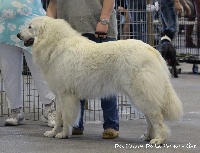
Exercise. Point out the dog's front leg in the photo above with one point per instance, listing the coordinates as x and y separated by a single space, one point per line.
70 107
58 125
173 61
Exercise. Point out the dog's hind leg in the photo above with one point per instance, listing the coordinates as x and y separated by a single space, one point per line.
174 63
58 122
157 131
175 71
70 108
147 136
159 128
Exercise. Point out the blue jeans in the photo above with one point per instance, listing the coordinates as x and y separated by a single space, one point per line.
168 15
108 105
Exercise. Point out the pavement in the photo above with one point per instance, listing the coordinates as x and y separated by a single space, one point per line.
184 136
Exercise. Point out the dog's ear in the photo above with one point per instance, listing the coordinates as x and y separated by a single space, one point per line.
42 29
40 22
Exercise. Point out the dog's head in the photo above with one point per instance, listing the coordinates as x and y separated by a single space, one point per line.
29 34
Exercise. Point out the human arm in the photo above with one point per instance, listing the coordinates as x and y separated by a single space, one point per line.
185 7
52 9
126 24
108 6
179 5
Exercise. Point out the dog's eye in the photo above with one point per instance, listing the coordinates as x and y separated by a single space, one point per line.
29 27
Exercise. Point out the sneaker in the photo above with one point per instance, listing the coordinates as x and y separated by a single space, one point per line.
16 117
49 116
77 131
110 134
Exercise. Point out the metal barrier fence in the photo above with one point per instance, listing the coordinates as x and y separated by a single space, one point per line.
188 51
134 21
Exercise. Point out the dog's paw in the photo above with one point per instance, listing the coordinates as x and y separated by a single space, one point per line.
49 134
145 137
157 141
62 135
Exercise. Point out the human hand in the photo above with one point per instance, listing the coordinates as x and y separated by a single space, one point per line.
178 7
187 9
120 9
100 28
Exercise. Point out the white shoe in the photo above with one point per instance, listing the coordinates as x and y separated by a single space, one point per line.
16 118
49 116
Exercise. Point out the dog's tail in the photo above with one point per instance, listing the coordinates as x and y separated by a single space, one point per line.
173 109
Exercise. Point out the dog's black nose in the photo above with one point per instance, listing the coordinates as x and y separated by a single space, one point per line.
18 35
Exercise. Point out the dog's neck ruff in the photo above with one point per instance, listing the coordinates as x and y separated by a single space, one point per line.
165 37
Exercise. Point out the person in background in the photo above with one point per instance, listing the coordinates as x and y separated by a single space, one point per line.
90 17
169 11
45 3
195 9
138 19
14 16
122 20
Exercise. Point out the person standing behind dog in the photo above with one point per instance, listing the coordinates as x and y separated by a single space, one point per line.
195 9
169 11
88 17
14 15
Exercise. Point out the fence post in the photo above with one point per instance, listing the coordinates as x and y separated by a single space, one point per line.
150 25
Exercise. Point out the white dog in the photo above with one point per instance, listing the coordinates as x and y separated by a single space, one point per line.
75 68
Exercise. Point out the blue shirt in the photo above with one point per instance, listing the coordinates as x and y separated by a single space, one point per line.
16 15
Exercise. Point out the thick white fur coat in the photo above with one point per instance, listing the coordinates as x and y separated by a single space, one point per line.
76 68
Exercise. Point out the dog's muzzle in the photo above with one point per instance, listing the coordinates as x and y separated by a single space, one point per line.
28 42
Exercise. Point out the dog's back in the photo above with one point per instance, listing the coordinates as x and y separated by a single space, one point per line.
99 68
